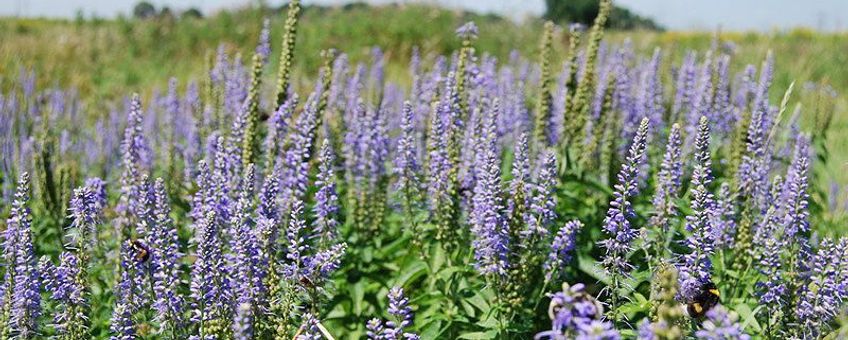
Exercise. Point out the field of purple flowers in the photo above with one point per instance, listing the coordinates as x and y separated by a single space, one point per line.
489 199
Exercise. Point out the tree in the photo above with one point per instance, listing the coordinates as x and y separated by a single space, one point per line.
192 13
144 10
166 13
585 11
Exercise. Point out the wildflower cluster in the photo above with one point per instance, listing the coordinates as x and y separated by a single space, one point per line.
223 213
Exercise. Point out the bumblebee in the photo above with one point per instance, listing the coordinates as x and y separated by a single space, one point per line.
306 282
142 253
706 298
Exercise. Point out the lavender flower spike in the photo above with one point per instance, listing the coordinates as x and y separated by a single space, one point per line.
823 291
467 31
487 224
406 166
263 49
310 329
668 185
576 315
297 248
165 261
721 324
122 324
399 309
375 329
26 298
133 149
797 222
206 271
543 200
697 266
67 287
401 318
326 198
243 323
561 248
617 221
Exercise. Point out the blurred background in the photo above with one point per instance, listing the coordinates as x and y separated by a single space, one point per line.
105 49
756 15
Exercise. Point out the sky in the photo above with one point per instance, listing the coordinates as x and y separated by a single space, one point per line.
729 15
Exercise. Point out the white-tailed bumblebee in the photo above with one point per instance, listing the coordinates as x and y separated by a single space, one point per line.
142 253
706 298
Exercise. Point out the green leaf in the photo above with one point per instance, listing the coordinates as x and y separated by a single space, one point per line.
357 295
748 317
638 304
479 335
367 254
489 322
628 333
468 308
394 247
479 301
411 272
448 272
591 267
437 255
431 330
636 278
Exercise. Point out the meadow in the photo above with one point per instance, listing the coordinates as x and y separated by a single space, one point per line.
106 59
404 172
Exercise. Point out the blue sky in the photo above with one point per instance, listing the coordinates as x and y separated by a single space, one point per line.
732 15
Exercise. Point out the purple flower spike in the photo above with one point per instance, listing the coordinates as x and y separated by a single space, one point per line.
310 328
668 182
206 273
98 188
721 324
326 198
133 149
263 48
23 272
402 317
577 315
375 329
561 248
165 261
467 31
406 165
543 200
487 224
617 221
697 267
243 322
823 291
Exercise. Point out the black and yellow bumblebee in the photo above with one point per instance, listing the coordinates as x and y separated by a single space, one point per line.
142 253
706 298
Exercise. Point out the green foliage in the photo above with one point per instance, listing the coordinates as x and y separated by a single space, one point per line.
287 52
144 10
545 98
585 11
577 115
251 134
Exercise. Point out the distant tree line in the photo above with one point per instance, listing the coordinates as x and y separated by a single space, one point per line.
560 11
146 10
585 11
